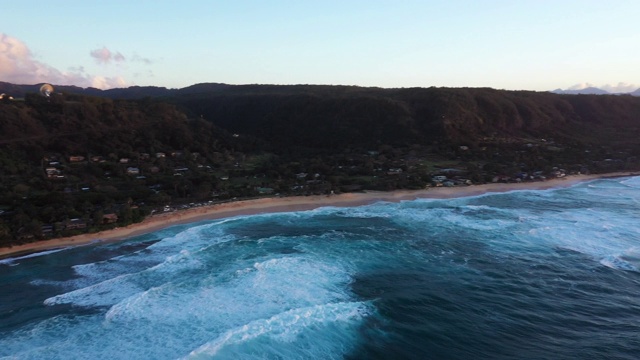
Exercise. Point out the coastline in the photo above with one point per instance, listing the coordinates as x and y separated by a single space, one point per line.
287 204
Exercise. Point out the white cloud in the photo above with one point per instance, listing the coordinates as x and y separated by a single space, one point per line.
102 82
105 56
581 86
621 87
141 59
18 66
118 57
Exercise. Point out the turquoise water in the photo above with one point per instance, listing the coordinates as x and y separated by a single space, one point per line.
529 274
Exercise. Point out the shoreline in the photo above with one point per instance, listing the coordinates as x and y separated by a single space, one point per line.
288 204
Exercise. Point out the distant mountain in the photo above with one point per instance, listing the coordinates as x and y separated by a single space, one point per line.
330 117
139 92
132 92
586 91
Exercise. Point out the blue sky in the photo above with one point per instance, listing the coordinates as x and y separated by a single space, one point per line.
525 44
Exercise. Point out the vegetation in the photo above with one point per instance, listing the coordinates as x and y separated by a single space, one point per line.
73 163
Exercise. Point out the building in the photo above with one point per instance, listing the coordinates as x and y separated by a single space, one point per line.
74 224
109 218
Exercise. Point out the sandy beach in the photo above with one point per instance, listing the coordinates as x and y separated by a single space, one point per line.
293 203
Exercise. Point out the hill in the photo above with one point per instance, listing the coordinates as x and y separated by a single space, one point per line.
338 117
586 91
73 162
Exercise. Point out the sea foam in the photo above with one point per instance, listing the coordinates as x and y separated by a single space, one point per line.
284 328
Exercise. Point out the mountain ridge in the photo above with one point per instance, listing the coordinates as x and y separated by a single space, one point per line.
69 159
137 92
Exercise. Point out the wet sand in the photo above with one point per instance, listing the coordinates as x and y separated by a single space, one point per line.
286 204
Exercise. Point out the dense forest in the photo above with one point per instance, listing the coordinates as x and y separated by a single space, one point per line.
84 159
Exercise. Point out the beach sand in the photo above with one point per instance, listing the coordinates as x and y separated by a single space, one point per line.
286 204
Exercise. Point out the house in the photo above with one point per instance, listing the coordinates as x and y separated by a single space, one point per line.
47 229
109 218
452 171
76 224
133 171
501 178
76 158
52 172
124 160
160 155
264 190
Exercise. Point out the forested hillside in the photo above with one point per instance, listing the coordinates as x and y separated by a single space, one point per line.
343 116
74 162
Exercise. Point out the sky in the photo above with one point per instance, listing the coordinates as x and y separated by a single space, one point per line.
504 44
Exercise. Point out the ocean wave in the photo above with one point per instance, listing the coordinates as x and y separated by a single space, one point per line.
222 297
591 232
114 289
416 279
12 260
286 327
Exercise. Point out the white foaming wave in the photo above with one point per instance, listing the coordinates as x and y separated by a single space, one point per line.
307 279
193 238
110 290
628 260
177 262
96 272
129 304
231 297
632 181
9 261
476 224
115 289
376 210
101 269
475 217
104 293
612 191
604 236
155 257
285 327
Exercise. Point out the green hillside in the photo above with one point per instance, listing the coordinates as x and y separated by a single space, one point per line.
72 162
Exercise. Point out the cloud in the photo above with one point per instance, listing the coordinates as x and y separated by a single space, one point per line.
102 82
105 56
141 59
581 86
18 66
621 87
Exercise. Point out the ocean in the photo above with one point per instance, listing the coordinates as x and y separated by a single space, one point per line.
551 274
